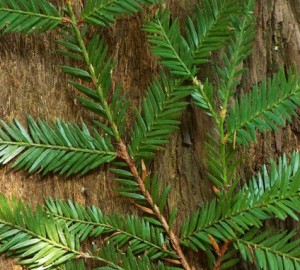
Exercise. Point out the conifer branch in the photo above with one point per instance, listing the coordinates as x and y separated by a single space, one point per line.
233 222
90 222
63 148
105 12
47 243
28 16
239 48
123 153
92 72
221 162
221 159
265 108
176 55
101 95
211 28
122 150
163 103
269 251
222 227
273 195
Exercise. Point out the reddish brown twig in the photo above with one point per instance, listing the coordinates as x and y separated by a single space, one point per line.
221 251
123 154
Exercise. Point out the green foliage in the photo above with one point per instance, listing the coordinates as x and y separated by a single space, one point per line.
238 49
158 119
269 251
63 148
221 159
170 45
176 54
230 226
265 108
35 238
130 189
72 265
105 12
28 16
97 72
274 194
125 231
211 28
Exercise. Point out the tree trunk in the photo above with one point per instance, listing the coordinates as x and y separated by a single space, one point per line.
31 83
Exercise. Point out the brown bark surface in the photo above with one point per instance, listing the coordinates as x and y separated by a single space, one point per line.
31 83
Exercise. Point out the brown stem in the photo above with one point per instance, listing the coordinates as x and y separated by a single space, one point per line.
123 153
221 253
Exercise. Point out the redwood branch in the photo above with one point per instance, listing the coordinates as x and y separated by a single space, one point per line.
123 154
